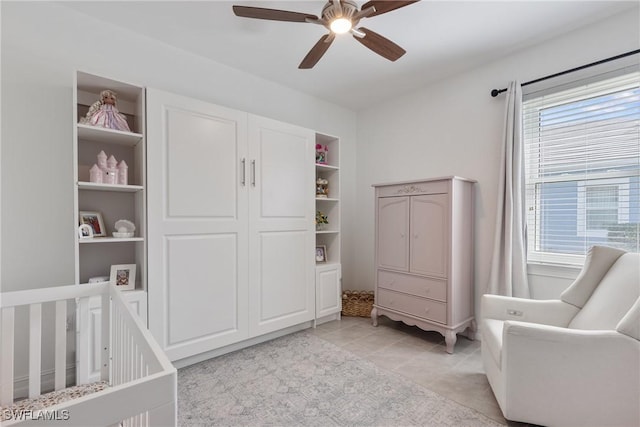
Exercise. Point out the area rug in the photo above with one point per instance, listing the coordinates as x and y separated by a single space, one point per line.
303 380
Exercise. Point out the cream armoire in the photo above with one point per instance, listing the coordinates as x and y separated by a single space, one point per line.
231 225
424 255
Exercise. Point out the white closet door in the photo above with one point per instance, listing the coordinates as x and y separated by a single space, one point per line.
197 221
281 225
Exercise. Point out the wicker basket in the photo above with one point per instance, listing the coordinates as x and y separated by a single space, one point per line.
357 303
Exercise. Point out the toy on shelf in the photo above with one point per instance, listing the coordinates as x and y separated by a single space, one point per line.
109 171
321 154
322 188
103 113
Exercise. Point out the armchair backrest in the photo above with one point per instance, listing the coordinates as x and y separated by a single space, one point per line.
613 295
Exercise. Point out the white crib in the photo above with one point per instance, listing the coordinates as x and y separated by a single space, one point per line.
141 383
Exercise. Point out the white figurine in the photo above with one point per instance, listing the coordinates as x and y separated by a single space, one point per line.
123 173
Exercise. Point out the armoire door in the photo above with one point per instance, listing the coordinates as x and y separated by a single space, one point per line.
281 225
429 243
197 170
393 233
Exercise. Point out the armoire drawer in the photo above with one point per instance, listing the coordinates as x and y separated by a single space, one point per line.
419 307
415 285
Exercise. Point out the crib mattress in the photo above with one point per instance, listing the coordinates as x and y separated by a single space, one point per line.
53 398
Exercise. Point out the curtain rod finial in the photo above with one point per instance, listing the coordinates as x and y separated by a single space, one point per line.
496 92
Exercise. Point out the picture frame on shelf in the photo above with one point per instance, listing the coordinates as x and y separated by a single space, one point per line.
123 276
94 220
321 253
85 231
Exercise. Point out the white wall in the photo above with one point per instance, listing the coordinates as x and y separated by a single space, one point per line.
42 46
454 127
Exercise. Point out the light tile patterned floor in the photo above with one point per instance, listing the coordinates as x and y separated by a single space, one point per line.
421 357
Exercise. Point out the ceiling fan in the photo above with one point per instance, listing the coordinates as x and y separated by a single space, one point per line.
339 17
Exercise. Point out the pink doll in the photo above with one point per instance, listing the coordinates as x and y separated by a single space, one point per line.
104 113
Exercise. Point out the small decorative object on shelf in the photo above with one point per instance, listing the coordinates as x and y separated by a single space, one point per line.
322 188
123 276
321 253
95 221
321 220
102 160
321 154
95 174
124 228
85 231
111 173
103 113
123 173
98 279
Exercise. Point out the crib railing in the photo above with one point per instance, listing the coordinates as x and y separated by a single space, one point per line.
138 372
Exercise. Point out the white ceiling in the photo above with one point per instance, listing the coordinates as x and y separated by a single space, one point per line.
441 38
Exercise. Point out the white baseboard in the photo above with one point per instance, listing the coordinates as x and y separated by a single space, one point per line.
240 345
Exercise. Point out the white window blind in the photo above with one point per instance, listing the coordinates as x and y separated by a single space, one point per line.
582 169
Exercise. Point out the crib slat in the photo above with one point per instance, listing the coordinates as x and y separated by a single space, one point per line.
61 345
35 339
6 357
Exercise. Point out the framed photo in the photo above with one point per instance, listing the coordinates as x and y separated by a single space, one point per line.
85 231
123 276
321 253
95 221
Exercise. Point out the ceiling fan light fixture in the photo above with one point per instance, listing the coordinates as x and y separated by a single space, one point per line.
340 25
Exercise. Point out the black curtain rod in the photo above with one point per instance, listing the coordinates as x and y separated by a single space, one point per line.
496 92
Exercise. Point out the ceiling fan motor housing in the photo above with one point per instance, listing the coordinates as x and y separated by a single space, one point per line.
330 11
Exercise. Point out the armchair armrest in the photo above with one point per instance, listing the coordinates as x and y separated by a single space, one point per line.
547 312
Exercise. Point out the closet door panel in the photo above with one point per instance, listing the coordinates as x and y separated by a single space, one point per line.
429 235
202 292
282 263
393 232
280 159
197 224
198 151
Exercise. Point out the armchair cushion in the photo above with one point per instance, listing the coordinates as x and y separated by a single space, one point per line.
614 296
597 263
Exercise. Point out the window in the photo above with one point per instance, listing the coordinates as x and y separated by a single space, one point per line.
582 169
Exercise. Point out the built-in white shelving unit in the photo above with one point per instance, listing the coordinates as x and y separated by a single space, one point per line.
328 272
95 256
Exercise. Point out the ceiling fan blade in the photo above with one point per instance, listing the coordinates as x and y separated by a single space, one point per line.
380 45
384 6
272 14
317 51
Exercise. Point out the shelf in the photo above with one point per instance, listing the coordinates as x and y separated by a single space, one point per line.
109 187
320 166
111 240
108 136
327 199
327 264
